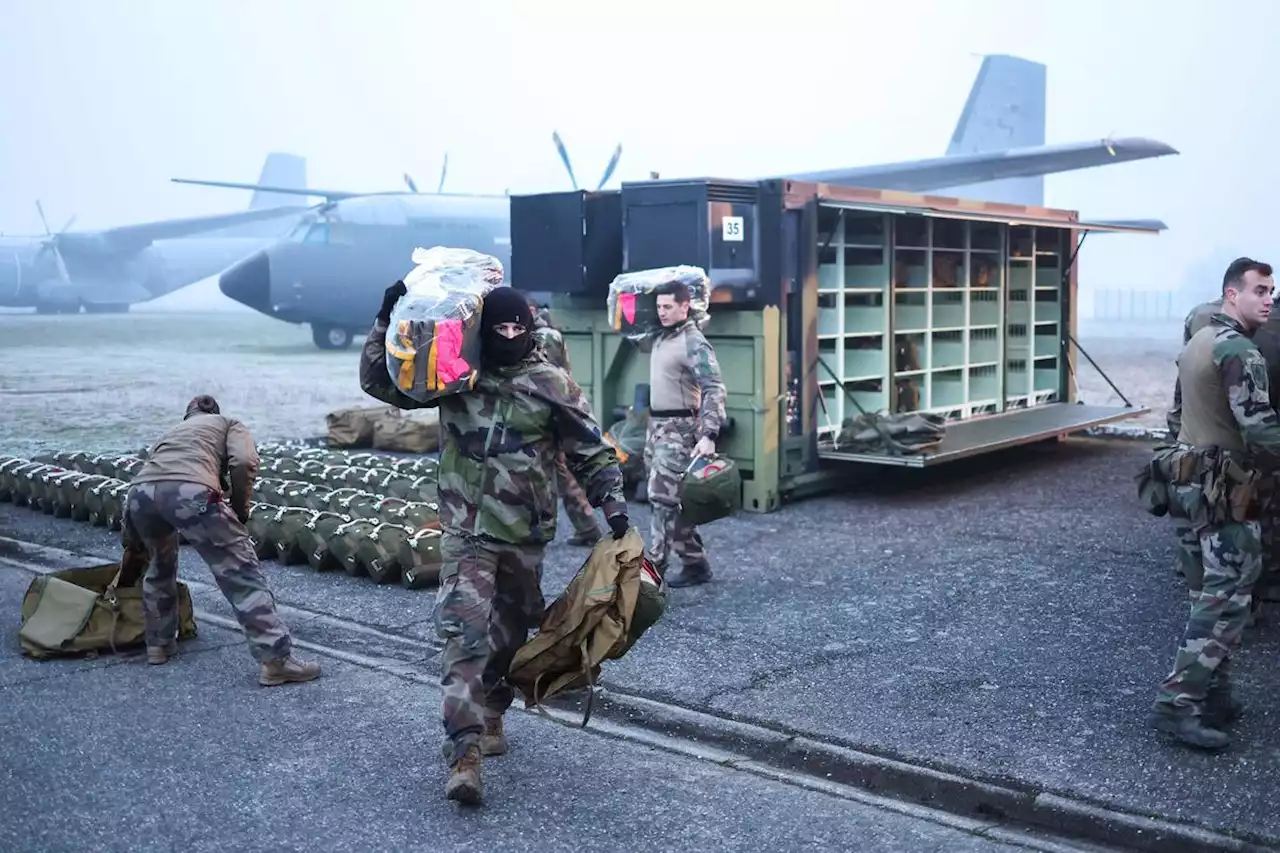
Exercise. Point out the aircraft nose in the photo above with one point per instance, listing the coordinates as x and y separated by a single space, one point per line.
248 282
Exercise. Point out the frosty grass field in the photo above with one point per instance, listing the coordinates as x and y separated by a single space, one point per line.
104 383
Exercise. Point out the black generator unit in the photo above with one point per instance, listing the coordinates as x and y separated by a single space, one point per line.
569 242
712 224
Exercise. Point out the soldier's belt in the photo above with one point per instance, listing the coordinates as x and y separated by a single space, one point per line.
673 413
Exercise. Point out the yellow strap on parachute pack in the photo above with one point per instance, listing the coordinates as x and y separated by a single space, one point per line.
405 353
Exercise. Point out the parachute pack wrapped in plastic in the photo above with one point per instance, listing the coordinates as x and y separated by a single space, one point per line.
433 339
633 302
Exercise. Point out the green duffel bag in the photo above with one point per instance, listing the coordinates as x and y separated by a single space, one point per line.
120 467
91 610
360 504
269 490
26 482
345 542
308 495
362 459
420 559
364 478
6 477
417 489
96 500
313 540
711 489
416 514
379 552
75 491
282 533
284 468
418 466
261 517
52 499
310 470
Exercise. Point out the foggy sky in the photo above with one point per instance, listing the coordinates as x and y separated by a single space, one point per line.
104 101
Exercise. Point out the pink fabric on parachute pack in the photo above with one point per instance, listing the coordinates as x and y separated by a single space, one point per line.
450 365
628 303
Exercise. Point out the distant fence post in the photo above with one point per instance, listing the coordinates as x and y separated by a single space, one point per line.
1131 305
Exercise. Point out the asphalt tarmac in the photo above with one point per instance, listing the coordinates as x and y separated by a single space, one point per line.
1006 619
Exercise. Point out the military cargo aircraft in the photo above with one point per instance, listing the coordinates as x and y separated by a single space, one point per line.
339 258
108 270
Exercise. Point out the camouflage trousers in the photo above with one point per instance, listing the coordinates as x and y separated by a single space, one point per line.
581 515
1232 562
1268 588
1188 561
668 451
157 513
490 598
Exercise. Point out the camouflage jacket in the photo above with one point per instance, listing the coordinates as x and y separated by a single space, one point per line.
1267 340
1243 373
685 375
497 477
552 343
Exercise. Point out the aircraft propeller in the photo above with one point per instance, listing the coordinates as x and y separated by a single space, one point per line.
444 170
51 243
564 158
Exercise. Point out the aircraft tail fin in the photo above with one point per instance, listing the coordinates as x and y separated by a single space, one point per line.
1005 109
286 171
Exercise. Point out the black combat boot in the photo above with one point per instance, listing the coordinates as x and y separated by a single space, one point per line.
1187 729
1220 707
691 575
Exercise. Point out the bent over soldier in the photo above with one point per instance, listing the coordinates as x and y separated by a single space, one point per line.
499 443
687 412
179 490
585 529
1229 436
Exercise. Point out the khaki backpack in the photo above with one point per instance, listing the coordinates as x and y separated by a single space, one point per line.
599 616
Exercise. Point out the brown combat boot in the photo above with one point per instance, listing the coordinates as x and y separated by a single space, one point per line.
464 783
157 655
587 539
493 741
276 672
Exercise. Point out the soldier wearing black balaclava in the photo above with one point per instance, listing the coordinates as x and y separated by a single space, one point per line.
498 511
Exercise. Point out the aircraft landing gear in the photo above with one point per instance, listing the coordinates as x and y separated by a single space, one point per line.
330 337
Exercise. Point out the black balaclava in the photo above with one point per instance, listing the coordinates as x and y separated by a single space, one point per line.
504 305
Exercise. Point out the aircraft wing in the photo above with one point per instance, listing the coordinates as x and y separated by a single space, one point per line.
956 170
135 237
328 195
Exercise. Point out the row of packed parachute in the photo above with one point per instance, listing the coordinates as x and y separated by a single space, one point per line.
367 514
433 338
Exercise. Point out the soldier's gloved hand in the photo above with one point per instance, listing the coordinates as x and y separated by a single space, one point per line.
389 298
619 523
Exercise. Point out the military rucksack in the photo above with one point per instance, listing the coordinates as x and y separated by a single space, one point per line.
600 615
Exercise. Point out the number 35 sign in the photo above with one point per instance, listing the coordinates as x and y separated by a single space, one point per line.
731 229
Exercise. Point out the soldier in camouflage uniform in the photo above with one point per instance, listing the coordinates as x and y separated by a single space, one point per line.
585 529
1229 434
498 512
687 410
1267 339
179 490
